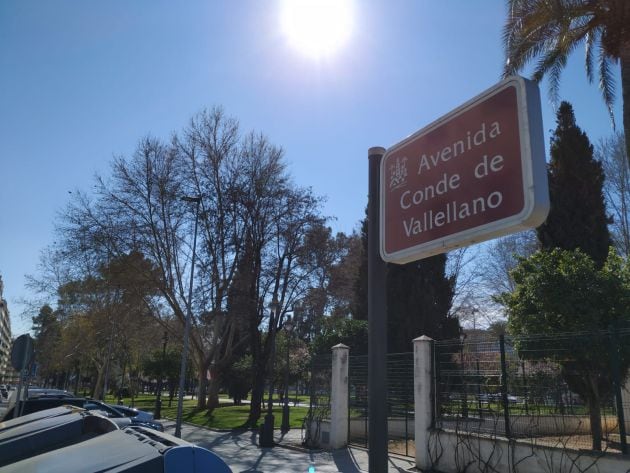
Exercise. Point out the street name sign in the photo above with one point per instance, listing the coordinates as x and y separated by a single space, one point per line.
22 352
477 173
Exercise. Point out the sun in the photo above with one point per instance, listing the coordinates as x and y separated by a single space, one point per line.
317 28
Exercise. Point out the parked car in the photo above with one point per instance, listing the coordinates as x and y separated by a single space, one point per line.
78 441
497 397
137 417
39 403
133 413
34 392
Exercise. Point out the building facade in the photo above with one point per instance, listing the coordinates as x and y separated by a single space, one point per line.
6 371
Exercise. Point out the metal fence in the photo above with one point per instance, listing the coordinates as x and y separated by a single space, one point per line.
319 399
400 404
556 390
400 407
358 400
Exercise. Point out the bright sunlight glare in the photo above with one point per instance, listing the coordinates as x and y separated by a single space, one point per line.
317 28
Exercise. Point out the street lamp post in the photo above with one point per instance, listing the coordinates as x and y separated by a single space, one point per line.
158 399
108 362
266 432
288 327
462 339
182 372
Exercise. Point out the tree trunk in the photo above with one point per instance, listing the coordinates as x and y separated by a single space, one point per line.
202 386
258 391
213 394
595 414
171 392
624 60
76 381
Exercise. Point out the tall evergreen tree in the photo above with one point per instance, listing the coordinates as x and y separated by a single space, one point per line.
419 298
577 218
360 305
47 332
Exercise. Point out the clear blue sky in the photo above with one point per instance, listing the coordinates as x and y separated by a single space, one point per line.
83 80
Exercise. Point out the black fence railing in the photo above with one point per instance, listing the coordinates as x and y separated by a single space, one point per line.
358 400
400 402
562 391
319 399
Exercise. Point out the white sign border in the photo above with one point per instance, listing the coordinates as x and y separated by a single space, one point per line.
534 173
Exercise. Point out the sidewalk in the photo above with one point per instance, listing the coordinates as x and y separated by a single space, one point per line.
242 454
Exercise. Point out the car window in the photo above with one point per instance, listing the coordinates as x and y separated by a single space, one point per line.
127 412
93 406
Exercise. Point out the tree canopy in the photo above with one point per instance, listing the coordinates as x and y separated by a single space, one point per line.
549 31
577 217
564 308
419 299
261 238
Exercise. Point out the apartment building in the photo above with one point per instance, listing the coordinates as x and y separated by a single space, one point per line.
6 371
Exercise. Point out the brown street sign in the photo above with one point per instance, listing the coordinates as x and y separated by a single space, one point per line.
477 173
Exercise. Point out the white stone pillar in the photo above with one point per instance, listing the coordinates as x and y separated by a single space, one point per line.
625 401
422 380
339 397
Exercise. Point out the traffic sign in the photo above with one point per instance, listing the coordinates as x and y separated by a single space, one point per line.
477 173
22 352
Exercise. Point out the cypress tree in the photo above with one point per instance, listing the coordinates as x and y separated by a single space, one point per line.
419 298
577 218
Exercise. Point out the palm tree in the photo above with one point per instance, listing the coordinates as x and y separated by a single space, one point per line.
548 31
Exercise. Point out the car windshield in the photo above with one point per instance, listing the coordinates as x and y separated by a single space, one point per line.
40 392
100 406
126 411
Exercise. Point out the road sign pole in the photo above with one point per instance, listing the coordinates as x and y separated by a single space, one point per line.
377 324
21 357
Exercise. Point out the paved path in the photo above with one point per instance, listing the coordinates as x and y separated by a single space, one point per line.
241 452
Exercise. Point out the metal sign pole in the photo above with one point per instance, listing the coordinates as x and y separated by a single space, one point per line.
377 325
21 357
18 399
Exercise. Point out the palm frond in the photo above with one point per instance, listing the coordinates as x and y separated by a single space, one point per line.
591 39
606 82
533 25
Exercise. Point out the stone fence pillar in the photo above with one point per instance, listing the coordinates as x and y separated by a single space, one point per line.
422 380
339 397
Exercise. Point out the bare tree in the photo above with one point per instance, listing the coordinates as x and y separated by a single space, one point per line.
611 152
463 266
501 258
278 217
209 149
253 239
493 266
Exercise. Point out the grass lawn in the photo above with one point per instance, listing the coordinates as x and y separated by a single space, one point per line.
226 417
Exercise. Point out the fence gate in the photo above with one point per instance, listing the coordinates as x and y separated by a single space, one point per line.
400 407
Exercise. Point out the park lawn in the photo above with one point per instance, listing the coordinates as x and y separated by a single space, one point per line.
230 417
225 417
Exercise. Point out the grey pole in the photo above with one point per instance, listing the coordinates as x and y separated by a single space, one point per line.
285 426
182 372
377 324
108 363
158 397
266 432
